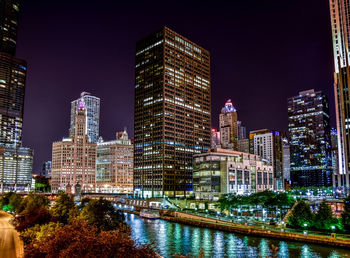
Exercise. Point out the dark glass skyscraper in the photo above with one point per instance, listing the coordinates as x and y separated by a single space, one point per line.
172 112
15 160
309 130
339 13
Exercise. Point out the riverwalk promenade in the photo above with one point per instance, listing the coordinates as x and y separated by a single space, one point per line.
278 233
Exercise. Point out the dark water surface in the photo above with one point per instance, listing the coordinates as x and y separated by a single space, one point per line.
173 238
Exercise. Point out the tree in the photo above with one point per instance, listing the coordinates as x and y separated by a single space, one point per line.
10 201
64 208
346 215
33 202
38 233
302 216
80 239
102 214
324 217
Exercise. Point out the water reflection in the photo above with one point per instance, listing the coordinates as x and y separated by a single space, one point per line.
170 238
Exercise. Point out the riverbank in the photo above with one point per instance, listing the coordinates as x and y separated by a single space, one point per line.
204 222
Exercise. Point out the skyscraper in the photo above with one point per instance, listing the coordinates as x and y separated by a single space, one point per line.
172 112
92 105
339 13
309 131
268 145
215 138
15 160
286 159
114 165
74 158
228 126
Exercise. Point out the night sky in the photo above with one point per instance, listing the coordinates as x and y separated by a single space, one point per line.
261 53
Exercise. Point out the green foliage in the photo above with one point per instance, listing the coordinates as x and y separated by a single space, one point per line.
64 208
324 217
102 215
38 233
301 216
346 215
10 201
33 202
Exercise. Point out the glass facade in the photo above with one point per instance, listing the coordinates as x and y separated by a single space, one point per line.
172 112
9 10
309 130
92 105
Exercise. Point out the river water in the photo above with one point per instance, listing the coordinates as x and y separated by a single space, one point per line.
170 238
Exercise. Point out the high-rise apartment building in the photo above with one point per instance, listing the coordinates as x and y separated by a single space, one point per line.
46 169
268 145
228 126
74 158
309 131
92 105
9 14
114 165
286 159
15 161
339 13
241 131
215 138
172 112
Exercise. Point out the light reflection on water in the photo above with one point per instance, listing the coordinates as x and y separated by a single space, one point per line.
173 238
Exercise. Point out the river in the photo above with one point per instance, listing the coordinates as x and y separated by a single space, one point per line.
173 238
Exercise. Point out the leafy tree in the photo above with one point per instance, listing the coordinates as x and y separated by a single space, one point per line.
324 217
81 239
10 201
38 233
33 202
346 215
64 208
102 214
27 220
301 215
83 203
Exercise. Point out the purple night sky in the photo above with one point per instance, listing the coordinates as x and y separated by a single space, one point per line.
261 53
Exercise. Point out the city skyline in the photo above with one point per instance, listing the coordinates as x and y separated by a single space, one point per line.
52 62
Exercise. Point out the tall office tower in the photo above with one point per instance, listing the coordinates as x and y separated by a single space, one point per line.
92 105
215 138
334 153
74 158
15 161
339 13
309 131
114 165
241 131
172 112
268 145
286 159
9 10
228 126
46 169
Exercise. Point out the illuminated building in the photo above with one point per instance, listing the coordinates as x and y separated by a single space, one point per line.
172 112
74 158
243 145
228 126
215 138
241 131
309 131
268 145
222 171
334 154
339 13
286 159
114 165
46 170
92 105
9 13
16 161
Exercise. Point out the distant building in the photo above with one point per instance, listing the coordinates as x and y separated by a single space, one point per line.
242 132
92 105
223 171
268 145
15 161
172 112
46 169
309 131
74 158
334 156
114 165
286 159
228 126
243 145
215 138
